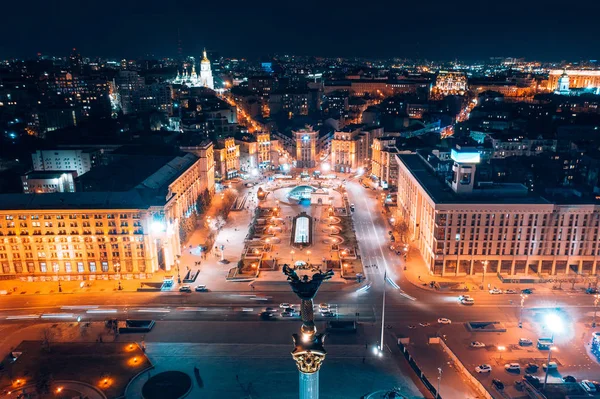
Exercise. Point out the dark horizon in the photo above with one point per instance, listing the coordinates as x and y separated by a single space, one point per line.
535 30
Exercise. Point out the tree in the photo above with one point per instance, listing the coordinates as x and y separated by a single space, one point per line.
47 338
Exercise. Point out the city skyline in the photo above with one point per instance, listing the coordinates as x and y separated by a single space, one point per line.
441 31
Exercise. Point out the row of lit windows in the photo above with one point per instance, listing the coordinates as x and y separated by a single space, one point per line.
77 255
71 267
72 216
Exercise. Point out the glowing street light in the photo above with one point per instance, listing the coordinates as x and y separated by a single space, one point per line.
325 167
523 297
501 349
292 252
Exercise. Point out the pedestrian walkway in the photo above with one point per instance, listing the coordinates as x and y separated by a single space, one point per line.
267 371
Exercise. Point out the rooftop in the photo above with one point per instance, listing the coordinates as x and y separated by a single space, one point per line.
441 193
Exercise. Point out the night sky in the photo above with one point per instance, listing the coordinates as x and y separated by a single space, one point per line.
434 29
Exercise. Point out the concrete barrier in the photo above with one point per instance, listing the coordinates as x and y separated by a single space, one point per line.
478 385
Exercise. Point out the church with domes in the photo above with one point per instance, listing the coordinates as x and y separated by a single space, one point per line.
193 79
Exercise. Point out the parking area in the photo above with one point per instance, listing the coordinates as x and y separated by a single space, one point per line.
498 349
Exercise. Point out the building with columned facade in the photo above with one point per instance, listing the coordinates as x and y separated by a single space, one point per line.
127 233
464 228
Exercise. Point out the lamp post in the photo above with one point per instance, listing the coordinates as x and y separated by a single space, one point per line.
485 263
523 297
118 270
292 252
308 258
437 394
382 314
178 276
596 300
501 349
548 364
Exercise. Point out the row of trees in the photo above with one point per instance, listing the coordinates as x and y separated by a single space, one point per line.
190 223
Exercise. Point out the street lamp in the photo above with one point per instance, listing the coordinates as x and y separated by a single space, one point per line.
178 276
485 263
308 253
292 252
382 314
548 366
523 297
437 394
501 349
118 270
596 300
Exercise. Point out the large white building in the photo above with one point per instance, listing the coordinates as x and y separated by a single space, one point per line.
462 228
62 160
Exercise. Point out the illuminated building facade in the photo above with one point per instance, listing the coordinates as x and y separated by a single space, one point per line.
227 159
100 235
448 83
306 147
383 161
577 79
465 229
193 79
349 149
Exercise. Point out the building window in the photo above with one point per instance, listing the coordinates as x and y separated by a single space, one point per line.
93 267
18 267
80 268
104 267
68 268
43 267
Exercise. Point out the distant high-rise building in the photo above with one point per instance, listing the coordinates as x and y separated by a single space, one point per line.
128 83
75 62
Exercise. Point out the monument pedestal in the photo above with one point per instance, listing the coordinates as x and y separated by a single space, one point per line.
309 385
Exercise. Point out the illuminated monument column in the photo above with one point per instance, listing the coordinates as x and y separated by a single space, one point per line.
309 352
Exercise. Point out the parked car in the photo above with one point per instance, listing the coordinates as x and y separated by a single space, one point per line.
483 368
569 378
550 366
185 288
512 367
525 342
323 307
201 288
477 344
285 305
509 291
532 367
495 291
443 320
527 291
499 385
590 386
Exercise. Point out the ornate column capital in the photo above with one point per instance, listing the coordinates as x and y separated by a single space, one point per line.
308 361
